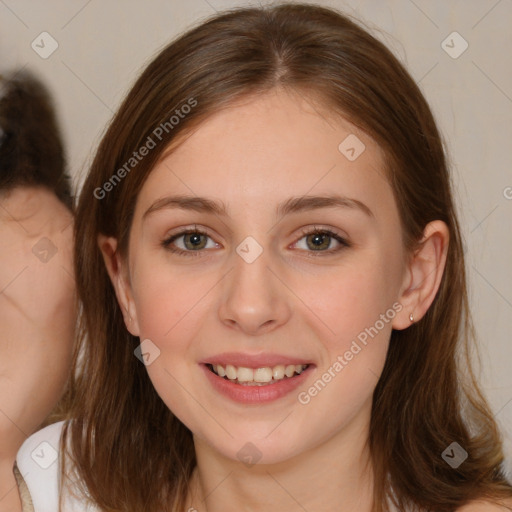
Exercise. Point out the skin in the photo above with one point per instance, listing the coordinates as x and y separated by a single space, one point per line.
252 157
37 319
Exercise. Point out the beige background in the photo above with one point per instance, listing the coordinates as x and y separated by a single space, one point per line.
103 45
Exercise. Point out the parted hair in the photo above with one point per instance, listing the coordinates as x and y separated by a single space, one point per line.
130 453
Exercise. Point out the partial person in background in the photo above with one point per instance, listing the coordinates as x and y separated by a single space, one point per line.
38 306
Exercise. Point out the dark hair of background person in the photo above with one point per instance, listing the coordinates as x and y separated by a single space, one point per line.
427 396
31 148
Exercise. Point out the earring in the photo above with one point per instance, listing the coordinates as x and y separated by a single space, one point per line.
411 318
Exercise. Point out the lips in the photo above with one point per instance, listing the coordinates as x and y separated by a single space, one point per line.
255 378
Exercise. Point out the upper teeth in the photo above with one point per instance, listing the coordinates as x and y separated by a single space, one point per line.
265 374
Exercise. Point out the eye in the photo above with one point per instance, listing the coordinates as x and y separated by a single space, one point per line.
319 240
190 242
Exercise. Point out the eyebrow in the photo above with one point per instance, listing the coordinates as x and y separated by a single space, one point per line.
291 205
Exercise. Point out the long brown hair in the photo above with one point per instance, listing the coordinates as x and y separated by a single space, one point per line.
427 396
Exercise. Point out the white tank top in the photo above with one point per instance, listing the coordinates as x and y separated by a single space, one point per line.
38 463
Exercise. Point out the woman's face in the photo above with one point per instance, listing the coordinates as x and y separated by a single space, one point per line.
260 292
37 310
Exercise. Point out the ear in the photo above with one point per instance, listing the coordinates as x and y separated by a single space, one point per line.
119 275
423 274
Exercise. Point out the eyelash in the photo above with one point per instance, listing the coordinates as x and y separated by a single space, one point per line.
305 232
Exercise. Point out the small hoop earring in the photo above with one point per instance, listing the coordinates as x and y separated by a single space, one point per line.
411 318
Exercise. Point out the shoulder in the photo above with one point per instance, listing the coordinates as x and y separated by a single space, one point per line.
486 506
38 462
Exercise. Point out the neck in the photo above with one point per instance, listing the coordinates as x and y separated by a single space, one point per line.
9 494
32 206
335 476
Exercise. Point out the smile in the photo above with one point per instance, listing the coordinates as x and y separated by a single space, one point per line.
257 385
257 376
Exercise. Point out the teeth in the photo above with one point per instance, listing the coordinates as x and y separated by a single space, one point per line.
289 370
231 372
245 374
263 375
278 372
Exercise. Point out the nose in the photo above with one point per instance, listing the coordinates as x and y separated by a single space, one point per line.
253 299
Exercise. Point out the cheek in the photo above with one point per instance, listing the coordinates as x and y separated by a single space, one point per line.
347 301
357 307
353 317
172 308
167 306
165 301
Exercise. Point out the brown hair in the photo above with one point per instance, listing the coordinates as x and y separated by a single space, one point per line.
421 403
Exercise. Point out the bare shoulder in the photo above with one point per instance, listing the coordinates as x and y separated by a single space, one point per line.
487 506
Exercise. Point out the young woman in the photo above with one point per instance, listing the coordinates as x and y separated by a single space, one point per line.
274 295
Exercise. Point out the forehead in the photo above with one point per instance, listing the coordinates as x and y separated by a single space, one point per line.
268 148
